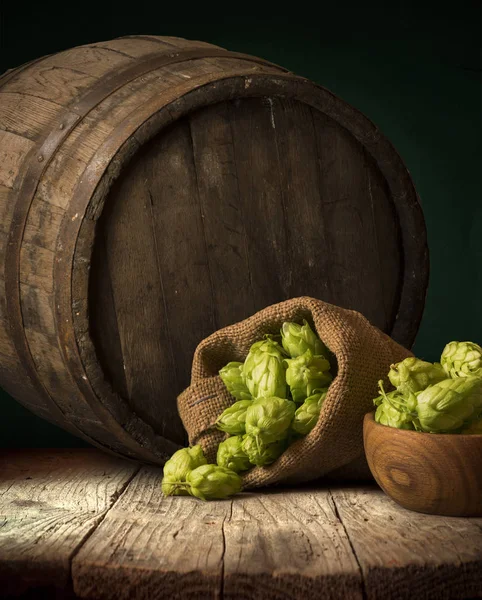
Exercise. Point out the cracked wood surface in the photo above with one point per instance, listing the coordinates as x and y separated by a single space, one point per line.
82 524
50 502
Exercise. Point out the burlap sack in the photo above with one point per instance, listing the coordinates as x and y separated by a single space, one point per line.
363 355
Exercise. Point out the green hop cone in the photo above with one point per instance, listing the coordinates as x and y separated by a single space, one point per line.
395 409
307 374
210 482
232 419
268 419
450 405
233 378
264 370
177 468
306 416
232 456
297 339
462 359
414 375
260 454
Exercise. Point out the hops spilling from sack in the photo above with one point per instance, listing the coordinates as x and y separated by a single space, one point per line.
277 395
443 397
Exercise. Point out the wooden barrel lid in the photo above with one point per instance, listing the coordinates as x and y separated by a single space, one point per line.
233 207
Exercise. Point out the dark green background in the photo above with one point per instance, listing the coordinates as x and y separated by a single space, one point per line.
412 68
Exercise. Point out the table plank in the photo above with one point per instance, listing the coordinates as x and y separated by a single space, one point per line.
151 547
274 545
50 502
288 544
81 522
404 554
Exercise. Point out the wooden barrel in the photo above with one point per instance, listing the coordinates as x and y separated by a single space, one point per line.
154 189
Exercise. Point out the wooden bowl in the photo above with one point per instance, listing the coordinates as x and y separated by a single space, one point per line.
440 474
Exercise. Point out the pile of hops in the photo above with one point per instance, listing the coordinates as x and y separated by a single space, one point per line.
277 395
444 397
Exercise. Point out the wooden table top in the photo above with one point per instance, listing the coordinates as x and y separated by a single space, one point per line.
80 523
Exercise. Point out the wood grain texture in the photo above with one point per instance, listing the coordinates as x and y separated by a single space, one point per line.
270 546
426 472
288 544
25 115
183 267
137 287
13 150
55 84
406 555
219 201
355 245
153 547
77 521
50 502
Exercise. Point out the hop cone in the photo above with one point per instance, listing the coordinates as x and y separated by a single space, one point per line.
210 482
260 454
232 419
414 375
307 374
306 416
177 468
297 339
449 405
393 410
264 370
233 378
269 419
462 359
232 456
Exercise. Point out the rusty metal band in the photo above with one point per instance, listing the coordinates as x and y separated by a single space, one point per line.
33 169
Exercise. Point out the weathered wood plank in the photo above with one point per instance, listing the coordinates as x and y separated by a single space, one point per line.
131 257
407 555
83 514
25 115
288 544
308 264
187 288
91 60
152 547
56 84
36 266
7 206
258 176
53 374
50 502
224 227
387 239
13 149
273 545
348 223
37 309
44 220
103 321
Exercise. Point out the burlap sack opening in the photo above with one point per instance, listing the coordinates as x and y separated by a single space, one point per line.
363 355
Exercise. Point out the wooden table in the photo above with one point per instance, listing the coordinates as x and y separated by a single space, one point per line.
79 523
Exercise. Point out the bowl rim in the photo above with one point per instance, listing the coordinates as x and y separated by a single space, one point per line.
370 417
